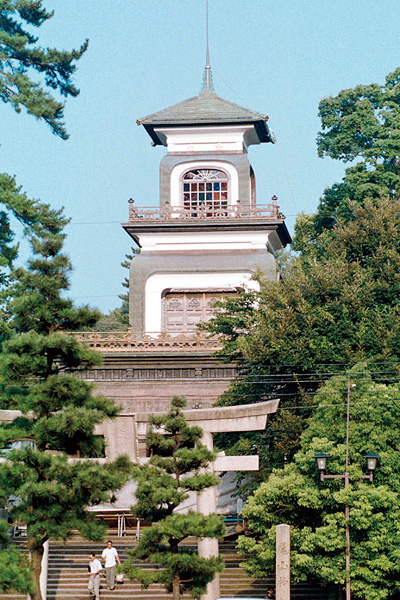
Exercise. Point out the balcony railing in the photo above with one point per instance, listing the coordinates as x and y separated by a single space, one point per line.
204 212
127 341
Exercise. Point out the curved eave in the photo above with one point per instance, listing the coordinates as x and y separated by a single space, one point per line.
263 132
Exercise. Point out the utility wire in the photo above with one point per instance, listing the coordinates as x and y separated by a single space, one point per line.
320 214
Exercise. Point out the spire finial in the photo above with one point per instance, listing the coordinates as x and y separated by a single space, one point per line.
208 49
207 78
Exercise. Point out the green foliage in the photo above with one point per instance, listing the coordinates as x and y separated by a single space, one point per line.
360 126
315 510
124 310
115 320
35 349
37 356
15 570
118 319
177 465
54 492
58 410
28 71
338 305
29 78
35 217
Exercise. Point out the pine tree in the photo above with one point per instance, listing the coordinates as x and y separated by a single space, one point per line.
15 569
30 77
58 410
118 319
124 310
35 216
26 69
176 467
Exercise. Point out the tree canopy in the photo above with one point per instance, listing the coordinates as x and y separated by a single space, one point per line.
315 510
339 303
360 126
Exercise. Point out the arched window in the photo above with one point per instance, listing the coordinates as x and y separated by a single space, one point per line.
205 188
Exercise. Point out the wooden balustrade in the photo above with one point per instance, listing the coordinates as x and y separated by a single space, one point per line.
205 211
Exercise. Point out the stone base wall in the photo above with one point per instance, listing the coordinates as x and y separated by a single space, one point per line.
145 396
140 383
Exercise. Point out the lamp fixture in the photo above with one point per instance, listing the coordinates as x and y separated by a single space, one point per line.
321 459
372 460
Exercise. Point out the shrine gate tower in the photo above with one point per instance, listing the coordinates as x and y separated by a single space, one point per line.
208 236
204 241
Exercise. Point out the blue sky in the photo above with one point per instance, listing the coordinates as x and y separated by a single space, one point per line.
279 57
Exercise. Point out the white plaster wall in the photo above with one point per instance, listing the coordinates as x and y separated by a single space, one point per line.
178 170
241 240
187 281
224 138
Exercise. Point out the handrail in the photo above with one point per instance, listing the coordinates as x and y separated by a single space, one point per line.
204 212
126 341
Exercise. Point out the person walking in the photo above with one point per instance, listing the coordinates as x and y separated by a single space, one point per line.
110 558
94 578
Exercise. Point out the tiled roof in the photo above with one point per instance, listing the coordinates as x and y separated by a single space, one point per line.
205 109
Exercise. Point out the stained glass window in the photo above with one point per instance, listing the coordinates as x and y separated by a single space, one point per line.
211 181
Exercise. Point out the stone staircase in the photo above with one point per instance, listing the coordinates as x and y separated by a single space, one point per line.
68 575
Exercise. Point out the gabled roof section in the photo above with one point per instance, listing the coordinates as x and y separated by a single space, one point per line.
206 109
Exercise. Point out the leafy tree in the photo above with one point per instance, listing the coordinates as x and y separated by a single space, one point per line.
315 510
58 410
338 305
176 467
115 320
360 126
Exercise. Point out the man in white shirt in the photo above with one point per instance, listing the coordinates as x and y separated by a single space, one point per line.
94 579
111 558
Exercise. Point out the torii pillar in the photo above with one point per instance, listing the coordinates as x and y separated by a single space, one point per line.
244 417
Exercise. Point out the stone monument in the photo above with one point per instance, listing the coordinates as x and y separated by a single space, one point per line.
282 580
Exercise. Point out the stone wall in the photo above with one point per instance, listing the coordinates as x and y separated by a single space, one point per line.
145 379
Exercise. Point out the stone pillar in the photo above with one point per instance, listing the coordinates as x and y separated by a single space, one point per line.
45 570
282 579
206 505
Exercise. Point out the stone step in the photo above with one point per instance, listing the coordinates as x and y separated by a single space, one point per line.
68 576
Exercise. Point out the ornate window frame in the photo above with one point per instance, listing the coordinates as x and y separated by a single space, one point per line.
159 281
176 185
193 306
205 188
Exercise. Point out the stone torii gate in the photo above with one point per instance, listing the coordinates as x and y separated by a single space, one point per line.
244 417
123 432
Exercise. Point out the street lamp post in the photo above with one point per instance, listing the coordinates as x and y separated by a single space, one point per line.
321 459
